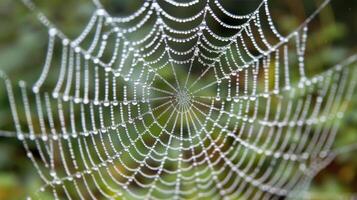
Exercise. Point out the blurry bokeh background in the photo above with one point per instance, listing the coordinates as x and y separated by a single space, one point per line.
23 43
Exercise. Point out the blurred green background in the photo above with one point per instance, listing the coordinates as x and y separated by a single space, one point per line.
23 42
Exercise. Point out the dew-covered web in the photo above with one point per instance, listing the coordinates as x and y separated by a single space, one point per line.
182 111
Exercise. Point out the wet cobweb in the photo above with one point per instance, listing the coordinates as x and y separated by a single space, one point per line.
178 100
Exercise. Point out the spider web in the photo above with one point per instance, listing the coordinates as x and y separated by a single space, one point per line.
184 111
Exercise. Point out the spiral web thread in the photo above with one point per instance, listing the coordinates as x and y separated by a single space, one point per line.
128 117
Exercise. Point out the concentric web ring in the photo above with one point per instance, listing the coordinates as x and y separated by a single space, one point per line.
179 112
